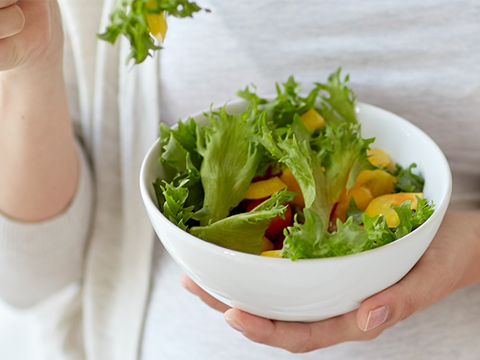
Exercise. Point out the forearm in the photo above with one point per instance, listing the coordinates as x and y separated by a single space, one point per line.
38 159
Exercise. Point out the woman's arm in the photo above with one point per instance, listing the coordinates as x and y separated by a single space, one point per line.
450 263
46 193
38 158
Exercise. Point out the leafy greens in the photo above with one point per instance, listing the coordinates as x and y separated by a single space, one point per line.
210 167
129 18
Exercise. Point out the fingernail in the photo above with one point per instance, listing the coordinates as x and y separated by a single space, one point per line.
235 325
376 317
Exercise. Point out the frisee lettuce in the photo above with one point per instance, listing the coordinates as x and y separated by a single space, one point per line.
210 167
322 165
230 160
333 100
129 18
311 239
244 232
339 106
407 180
172 201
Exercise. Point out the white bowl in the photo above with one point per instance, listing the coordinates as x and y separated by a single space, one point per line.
310 289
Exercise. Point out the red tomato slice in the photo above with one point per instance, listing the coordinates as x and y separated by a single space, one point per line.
277 224
253 204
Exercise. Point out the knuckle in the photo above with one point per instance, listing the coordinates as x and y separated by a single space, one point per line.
307 344
407 305
259 337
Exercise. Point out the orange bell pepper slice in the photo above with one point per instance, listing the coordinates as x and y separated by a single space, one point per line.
272 253
383 205
267 245
264 188
292 185
378 158
368 185
313 120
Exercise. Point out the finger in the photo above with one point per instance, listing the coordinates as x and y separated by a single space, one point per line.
6 3
428 282
191 286
12 21
298 337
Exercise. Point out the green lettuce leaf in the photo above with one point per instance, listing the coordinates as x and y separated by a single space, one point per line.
378 232
410 219
337 100
285 106
230 160
178 150
407 180
323 165
310 240
354 212
129 18
244 232
173 202
183 140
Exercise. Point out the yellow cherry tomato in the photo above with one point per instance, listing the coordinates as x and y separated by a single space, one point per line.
313 120
292 185
383 205
378 158
272 253
265 188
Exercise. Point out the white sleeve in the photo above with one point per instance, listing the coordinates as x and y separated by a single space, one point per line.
37 259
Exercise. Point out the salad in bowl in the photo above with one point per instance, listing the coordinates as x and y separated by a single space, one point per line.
312 182
288 176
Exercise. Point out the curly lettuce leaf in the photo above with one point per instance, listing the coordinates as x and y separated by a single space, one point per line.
230 161
172 201
407 180
323 165
285 106
337 100
411 219
310 239
176 143
378 232
244 232
129 18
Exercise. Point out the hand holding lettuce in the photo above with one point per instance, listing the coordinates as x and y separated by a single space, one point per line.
211 167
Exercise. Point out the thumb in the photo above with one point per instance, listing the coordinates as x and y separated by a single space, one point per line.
426 284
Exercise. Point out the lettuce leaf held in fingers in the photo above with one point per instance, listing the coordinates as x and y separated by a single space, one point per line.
130 18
